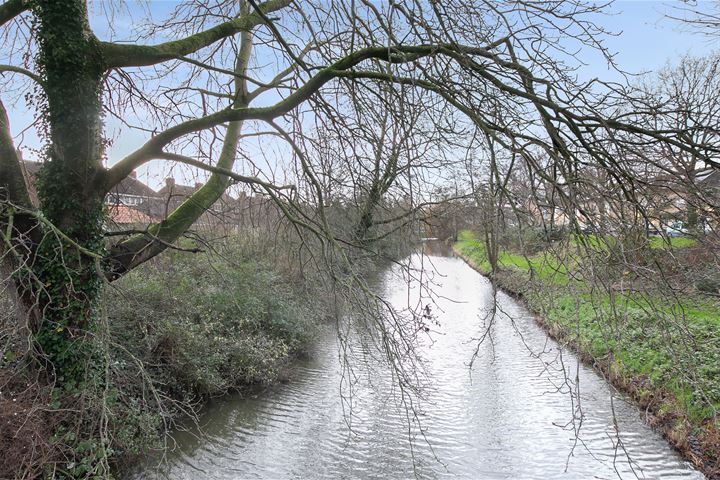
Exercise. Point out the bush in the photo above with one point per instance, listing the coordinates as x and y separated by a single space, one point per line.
192 326
709 281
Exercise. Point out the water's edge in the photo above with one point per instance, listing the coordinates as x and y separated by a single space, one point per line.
665 423
512 415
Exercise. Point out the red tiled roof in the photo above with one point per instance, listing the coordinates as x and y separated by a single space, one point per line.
122 214
132 186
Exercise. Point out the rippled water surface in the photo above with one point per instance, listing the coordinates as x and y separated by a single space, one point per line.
511 416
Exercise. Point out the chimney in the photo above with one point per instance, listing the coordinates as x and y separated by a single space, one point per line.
133 174
170 182
198 185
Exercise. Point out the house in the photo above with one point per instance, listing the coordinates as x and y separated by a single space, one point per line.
131 192
255 212
675 198
128 217
133 205
708 182
227 214
221 214
130 203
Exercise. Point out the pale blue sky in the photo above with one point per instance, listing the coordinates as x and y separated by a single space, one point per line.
646 41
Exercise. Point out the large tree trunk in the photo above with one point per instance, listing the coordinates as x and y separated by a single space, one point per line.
68 284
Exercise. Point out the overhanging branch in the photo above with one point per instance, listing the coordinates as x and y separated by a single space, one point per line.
22 71
400 54
154 147
118 56
222 171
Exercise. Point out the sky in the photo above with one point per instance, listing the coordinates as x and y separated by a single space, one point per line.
645 41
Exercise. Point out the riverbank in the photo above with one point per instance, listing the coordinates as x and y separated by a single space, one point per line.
230 323
307 420
175 332
190 327
628 343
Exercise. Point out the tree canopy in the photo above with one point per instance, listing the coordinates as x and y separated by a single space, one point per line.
375 105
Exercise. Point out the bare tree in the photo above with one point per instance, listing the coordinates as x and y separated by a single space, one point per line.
689 95
481 75
698 17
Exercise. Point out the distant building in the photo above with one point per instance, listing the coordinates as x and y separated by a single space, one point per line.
709 183
134 205
674 196
125 216
132 192
129 203
222 214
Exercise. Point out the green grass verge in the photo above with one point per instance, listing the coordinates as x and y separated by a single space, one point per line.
668 346
600 242
657 243
544 265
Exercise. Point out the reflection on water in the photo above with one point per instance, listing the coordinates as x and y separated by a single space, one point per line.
519 413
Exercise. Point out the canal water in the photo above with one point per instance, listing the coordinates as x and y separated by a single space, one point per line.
525 409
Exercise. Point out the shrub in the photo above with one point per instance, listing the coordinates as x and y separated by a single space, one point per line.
191 326
709 281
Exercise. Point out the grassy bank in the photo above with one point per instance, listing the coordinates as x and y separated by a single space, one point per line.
663 350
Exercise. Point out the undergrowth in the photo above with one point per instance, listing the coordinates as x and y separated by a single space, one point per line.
187 327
